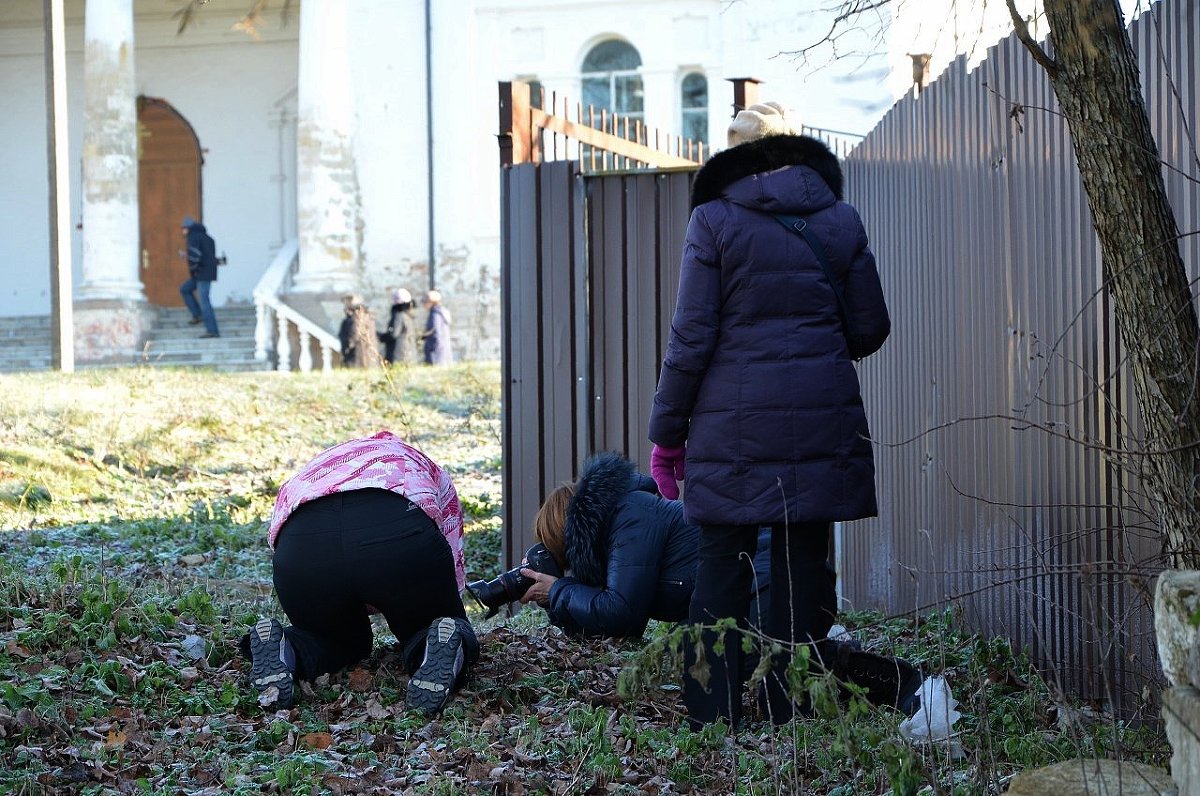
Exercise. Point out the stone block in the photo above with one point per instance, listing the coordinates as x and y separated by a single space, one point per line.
1181 713
1176 600
1094 778
111 331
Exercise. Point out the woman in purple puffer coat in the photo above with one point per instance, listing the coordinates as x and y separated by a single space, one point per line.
758 394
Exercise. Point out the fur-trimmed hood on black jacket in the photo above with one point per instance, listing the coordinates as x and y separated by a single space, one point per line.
631 554
764 155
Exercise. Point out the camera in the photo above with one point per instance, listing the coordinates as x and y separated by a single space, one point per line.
511 586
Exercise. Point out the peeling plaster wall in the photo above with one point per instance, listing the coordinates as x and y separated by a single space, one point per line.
388 72
391 157
467 194
329 214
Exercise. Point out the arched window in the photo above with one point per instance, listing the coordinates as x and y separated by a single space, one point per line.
693 100
610 79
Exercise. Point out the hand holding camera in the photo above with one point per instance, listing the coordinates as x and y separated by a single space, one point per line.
539 592
511 586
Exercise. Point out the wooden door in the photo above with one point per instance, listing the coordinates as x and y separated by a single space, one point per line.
169 162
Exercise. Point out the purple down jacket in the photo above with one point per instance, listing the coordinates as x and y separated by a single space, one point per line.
757 378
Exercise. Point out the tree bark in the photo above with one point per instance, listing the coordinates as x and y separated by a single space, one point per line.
1095 78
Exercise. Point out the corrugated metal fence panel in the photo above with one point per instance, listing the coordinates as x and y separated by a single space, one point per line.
544 414
972 199
636 223
590 269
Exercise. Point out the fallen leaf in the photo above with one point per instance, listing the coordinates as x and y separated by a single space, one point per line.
361 681
193 559
115 739
316 740
377 711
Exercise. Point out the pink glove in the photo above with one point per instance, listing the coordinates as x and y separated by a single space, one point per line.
666 468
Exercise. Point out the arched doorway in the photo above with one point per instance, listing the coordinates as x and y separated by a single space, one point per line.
169 161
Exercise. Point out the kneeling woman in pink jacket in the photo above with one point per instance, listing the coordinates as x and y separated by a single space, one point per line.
370 525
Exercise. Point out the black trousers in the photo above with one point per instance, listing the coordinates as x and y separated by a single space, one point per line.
338 554
802 606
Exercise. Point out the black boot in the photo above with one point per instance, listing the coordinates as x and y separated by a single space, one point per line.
888 682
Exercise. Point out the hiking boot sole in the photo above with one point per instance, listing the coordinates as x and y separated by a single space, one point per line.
430 686
267 667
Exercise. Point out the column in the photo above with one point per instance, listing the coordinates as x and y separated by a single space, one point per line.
110 143
328 218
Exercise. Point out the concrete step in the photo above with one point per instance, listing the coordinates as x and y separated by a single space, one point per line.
25 342
174 342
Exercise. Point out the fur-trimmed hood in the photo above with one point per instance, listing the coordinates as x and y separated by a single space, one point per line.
606 478
764 155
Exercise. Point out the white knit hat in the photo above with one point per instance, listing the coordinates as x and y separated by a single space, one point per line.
759 121
401 296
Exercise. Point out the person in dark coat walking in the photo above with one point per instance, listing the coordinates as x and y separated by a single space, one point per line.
397 339
201 256
629 554
436 337
758 408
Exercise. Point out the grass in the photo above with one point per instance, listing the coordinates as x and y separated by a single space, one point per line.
132 556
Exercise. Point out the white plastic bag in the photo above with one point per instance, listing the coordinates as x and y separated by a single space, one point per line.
934 721
840 633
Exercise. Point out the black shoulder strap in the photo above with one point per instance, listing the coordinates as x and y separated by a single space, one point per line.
798 225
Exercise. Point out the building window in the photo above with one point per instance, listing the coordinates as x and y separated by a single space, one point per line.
610 79
693 100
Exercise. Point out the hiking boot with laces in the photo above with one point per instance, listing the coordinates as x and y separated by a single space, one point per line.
272 664
430 685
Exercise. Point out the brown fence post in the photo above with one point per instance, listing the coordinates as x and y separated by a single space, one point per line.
745 92
515 137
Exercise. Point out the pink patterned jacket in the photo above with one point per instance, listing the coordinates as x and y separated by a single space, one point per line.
383 461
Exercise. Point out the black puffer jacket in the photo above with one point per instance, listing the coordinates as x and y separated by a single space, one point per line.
758 378
201 254
631 554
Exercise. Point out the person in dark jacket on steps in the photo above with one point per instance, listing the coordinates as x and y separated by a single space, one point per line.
629 554
758 408
201 257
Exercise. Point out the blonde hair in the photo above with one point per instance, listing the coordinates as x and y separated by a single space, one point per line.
551 521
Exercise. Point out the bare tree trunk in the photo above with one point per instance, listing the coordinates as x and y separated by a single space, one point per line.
1095 78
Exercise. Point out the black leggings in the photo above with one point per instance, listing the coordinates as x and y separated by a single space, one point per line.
338 554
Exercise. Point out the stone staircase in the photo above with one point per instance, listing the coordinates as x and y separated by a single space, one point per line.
25 342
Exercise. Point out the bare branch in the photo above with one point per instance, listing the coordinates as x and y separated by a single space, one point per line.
1034 48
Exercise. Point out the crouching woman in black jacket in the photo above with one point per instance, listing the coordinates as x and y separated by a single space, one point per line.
628 553
629 556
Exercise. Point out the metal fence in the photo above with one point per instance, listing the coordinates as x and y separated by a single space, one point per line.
591 269
1004 354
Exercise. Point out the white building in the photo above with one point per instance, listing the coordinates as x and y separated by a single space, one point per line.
319 131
